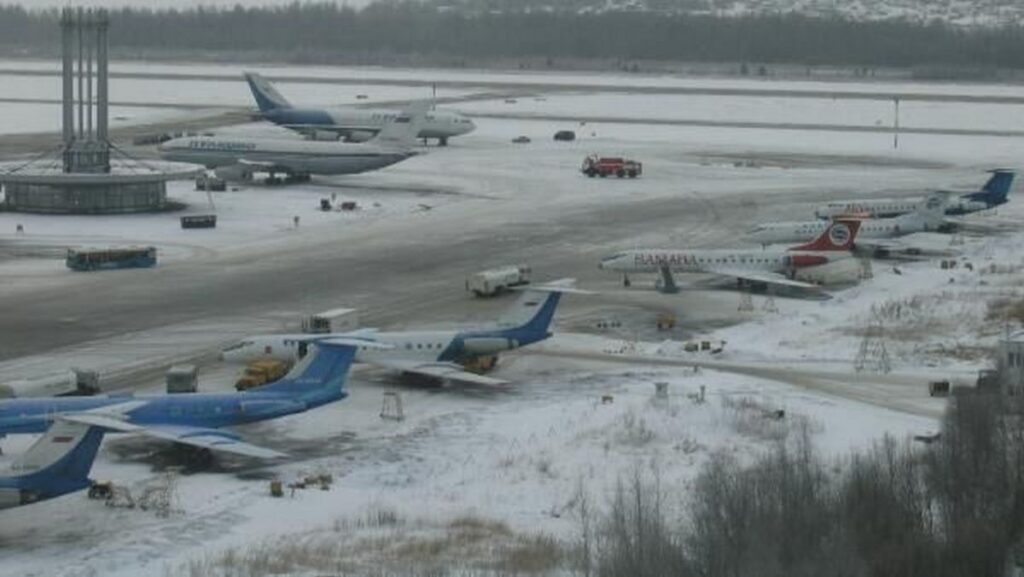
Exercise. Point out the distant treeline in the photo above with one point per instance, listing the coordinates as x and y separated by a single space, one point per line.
408 28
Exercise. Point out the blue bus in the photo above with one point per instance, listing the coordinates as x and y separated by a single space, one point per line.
111 258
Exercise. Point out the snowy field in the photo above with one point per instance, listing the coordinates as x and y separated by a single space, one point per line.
534 77
520 461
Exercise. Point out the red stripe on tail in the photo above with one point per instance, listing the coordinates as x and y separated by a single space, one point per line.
839 236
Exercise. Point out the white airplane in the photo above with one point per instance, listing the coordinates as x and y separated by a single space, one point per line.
929 216
750 267
352 124
239 158
437 354
992 194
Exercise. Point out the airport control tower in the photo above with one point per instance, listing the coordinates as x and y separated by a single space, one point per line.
81 178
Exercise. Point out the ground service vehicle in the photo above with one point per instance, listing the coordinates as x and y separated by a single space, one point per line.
604 166
493 281
333 321
182 379
259 373
111 258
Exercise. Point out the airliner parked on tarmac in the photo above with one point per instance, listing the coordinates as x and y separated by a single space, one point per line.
929 216
196 419
752 267
349 123
239 158
438 354
991 195
56 464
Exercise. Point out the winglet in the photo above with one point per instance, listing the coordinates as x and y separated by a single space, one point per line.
839 236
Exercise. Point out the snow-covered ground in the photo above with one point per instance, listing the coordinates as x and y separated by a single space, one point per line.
523 456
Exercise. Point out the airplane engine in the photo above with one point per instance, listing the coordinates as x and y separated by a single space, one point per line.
328 135
488 345
360 136
234 173
16 497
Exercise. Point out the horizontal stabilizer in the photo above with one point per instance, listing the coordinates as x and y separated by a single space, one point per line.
565 286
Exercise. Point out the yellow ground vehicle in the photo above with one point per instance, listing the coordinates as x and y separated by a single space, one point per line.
261 372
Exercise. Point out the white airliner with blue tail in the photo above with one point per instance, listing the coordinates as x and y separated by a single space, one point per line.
348 123
992 194
436 354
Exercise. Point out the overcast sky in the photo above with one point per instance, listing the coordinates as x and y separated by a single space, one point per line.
165 3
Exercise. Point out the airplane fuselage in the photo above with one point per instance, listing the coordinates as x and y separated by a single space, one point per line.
194 410
359 124
414 346
701 261
784 232
891 208
281 155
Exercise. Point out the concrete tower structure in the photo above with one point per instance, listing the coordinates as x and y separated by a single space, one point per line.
88 180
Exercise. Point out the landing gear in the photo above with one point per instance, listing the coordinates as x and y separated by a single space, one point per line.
297 177
443 141
272 180
625 281
666 284
194 458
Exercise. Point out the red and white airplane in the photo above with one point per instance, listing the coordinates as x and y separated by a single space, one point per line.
764 266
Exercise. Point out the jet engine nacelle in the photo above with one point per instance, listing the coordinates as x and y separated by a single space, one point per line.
360 136
234 173
488 345
16 497
328 135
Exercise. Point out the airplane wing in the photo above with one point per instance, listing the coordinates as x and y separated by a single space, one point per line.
912 245
448 371
263 165
764 277
213 439
112 418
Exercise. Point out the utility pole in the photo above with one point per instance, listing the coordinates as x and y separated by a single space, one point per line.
896 123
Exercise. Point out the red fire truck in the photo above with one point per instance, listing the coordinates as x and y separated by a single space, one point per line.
605 166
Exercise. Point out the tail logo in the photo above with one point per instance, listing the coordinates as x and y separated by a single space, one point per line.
839 235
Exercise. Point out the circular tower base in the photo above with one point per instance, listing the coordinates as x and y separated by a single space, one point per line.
115 192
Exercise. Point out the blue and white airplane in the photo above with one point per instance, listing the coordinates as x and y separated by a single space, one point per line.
992 194
349 123
436 354
56 464
197 419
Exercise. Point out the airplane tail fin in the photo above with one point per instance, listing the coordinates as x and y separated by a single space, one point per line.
998 186
267 97
403 130
839 236
320 376
530 317
60 461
